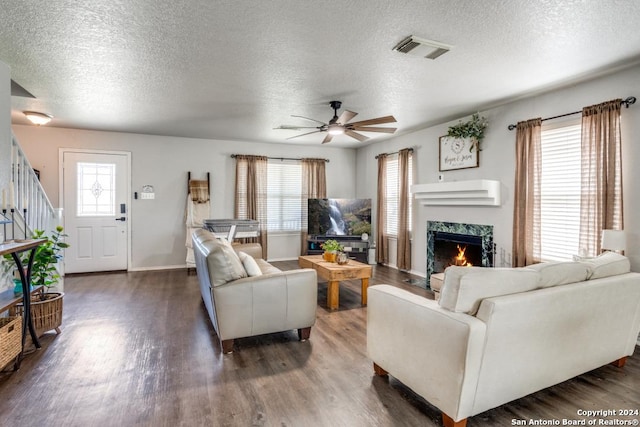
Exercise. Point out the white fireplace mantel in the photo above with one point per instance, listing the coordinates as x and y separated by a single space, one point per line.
477 192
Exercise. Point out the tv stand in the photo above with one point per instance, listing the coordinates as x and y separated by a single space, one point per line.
355 247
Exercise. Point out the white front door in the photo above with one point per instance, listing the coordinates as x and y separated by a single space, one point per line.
95 201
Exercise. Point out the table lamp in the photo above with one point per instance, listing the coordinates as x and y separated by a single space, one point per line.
613 240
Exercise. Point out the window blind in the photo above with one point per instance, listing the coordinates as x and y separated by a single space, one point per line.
284 195
393 187
560 192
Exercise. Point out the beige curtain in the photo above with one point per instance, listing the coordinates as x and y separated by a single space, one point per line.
314 186
601 184
526 209
251 194
382 245
404 237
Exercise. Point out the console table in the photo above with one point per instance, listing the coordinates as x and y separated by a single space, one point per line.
15 248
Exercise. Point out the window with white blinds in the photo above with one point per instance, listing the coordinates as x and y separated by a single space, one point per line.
560 192
393 189
284 195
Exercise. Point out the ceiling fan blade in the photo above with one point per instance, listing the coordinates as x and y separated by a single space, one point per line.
346 116
292 127
356 135
327 138
378 121
303 134
308 118
374 129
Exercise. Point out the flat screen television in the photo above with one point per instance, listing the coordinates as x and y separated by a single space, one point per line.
339 217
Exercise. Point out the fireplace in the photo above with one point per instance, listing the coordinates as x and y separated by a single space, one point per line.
451 243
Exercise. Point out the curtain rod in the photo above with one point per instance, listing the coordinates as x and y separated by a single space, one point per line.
626 102
395 152
233 156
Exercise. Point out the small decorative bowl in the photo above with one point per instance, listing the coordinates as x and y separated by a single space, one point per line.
342 258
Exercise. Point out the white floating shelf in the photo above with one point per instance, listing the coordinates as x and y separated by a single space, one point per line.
477 192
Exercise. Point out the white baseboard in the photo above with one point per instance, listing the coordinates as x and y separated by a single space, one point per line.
162 267
282 259
418 273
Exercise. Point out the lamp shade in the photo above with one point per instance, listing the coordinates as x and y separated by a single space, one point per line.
37 118
614 240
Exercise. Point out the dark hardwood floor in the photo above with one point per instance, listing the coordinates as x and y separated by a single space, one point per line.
138 349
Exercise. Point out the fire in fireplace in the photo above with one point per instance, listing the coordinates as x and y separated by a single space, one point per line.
456 249
460 260
458 244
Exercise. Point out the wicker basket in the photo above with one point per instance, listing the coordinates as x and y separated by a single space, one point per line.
10 339
46 315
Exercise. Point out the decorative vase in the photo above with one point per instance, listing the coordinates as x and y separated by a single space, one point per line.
342 258
17 287
329 256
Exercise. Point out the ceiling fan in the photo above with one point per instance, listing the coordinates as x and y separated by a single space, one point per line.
340 125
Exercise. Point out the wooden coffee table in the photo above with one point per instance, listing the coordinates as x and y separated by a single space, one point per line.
334 273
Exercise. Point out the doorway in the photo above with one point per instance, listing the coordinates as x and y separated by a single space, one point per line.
95 198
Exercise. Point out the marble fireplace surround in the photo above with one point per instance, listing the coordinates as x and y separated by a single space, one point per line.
485 232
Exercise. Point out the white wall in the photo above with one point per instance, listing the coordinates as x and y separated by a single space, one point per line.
497 161
5 125
5 151
158 233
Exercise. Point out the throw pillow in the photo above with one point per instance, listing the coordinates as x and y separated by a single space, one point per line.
608 264
223 263
250 265
560 273
464 292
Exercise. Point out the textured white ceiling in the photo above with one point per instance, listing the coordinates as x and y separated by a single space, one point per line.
237 69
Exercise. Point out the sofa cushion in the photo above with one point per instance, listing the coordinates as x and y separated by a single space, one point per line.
254 250
607 264
267 268
250 265
560 273
463 291
223 262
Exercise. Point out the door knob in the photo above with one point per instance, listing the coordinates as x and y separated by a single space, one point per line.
122 218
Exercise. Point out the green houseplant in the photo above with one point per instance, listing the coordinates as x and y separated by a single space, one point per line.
472 129
44 272
331 248
46 306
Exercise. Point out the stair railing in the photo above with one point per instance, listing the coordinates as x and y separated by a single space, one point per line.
31 207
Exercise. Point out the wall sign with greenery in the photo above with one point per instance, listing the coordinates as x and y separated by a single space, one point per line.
472 129
460 146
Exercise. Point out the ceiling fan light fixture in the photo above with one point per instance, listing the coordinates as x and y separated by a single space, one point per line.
37 118
335 129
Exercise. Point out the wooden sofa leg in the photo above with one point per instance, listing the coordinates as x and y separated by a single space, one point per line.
379 371
447 421
304 333
227 346
620 362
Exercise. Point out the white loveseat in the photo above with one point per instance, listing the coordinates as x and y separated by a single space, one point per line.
246 296
496 335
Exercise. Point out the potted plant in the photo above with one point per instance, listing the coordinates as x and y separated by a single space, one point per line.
46 306
472 129
331 248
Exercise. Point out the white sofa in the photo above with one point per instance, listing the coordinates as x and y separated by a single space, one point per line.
496 335
246 296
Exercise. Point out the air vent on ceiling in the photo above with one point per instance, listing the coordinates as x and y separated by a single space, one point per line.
17 90
413 45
